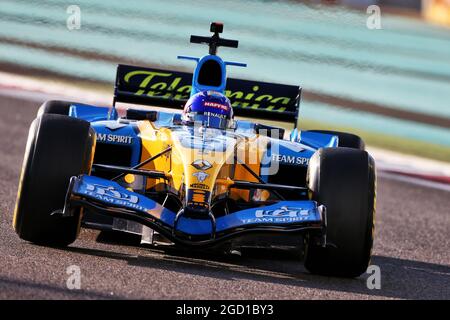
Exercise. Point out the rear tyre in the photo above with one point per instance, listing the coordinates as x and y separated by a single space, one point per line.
343 180
346 140
58 148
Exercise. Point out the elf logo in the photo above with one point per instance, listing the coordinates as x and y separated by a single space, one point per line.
282 212
109 192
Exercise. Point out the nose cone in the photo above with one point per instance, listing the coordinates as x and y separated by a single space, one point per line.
203 155
201 171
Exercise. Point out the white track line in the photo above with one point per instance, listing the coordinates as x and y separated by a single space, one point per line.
25 87
391 160
415 181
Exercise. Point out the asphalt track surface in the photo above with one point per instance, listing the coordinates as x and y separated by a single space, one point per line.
412 249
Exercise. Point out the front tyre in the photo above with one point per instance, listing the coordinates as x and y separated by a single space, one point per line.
58 148
55 107
344 181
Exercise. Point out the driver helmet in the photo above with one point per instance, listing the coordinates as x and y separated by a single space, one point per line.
210 109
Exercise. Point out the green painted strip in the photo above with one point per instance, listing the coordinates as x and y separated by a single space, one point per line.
90 69
375 123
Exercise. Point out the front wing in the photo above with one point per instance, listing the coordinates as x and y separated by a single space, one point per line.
109 198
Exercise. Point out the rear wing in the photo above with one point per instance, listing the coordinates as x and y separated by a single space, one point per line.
255 99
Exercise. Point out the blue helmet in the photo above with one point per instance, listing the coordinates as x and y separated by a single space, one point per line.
210 109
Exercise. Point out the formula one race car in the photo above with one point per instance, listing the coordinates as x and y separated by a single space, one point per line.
199 179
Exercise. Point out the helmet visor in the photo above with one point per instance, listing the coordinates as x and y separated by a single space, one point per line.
210 120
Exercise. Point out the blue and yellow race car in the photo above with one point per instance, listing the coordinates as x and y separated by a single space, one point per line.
200 178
